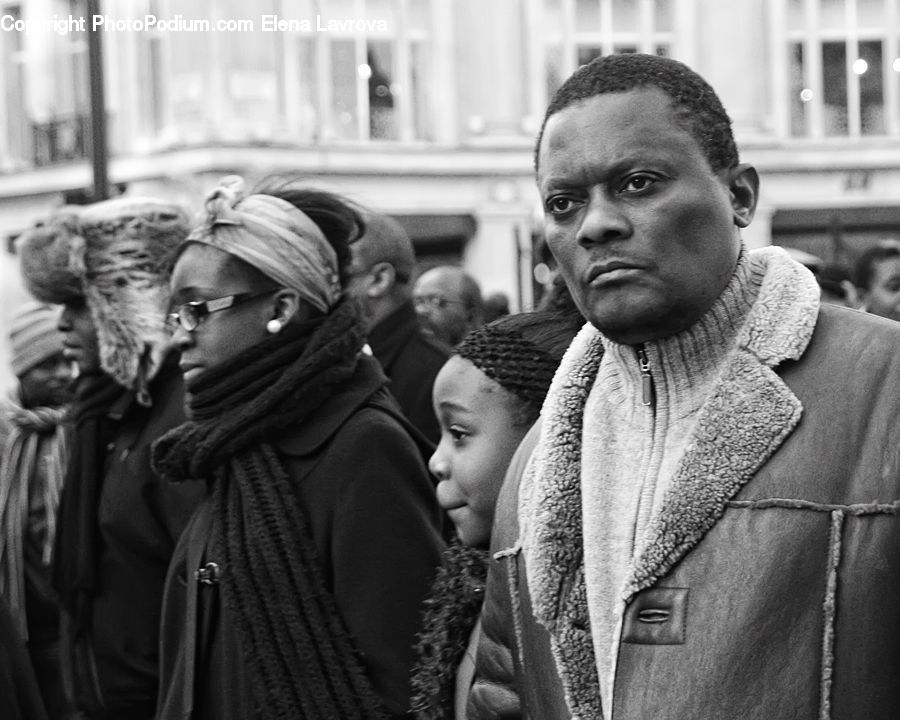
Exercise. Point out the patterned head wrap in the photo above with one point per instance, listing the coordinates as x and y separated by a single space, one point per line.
273 236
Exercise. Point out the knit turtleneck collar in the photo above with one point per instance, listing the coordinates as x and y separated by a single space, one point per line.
681 363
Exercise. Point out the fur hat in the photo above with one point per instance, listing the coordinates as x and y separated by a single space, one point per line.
34 336
44 258
115 255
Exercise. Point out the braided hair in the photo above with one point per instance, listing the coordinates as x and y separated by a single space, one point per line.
521 353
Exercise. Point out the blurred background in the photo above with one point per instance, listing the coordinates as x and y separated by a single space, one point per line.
428 109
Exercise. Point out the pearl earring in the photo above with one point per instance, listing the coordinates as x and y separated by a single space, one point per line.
273 326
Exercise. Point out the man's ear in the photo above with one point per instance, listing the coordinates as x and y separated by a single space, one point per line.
743 186
384 277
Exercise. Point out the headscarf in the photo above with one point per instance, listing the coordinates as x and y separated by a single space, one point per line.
273 236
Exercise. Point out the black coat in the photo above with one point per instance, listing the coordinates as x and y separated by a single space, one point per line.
140 518
20 698
411 359
375 524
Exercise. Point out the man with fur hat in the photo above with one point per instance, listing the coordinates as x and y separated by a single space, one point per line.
31 478
118 524
381 278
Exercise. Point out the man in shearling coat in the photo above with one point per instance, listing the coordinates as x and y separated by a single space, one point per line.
704 524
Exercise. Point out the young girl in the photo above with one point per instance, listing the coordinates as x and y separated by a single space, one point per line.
486 397
294 592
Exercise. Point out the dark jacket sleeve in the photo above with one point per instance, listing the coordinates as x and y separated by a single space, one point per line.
496 693
385 547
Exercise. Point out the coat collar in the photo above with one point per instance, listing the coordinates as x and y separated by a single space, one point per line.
367 380
390 336
749 414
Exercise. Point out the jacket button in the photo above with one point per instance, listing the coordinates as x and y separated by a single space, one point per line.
208 574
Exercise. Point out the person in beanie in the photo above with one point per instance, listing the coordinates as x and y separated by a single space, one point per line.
32 441
486 396
295 591
118 522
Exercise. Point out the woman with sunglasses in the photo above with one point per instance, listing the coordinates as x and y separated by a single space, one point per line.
295 590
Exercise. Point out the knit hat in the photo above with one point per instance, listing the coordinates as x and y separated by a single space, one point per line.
116 256
34 336
521 352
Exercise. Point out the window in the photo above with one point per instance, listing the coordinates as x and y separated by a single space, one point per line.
307 71
16 137
363 78
46 121
844 67
577 31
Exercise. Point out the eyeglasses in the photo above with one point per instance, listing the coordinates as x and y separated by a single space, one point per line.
189 315
435 301
401 276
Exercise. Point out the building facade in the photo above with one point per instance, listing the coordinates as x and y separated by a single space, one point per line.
428 109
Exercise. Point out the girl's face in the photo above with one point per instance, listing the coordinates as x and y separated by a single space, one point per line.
479 435
205 273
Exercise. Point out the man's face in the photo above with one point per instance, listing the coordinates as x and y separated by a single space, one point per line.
884 297
80 344
442 311
642 228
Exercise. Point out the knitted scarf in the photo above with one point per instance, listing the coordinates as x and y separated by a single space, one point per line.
32 462
451 612
77 542
300 659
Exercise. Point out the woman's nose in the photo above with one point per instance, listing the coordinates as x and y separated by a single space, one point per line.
181 338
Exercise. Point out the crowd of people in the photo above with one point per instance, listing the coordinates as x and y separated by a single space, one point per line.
261 464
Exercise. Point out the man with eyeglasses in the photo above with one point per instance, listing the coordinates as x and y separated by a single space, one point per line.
449 303
381 275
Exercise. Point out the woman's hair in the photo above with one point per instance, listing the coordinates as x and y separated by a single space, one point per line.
521 353
338 219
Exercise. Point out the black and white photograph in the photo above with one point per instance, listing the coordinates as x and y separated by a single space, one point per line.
450 360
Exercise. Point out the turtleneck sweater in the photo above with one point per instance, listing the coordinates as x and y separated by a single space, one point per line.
633 441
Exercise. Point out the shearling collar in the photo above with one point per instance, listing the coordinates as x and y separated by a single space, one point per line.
748 415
